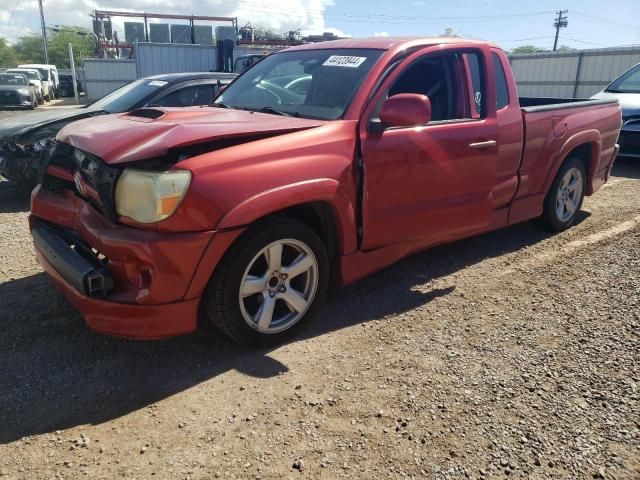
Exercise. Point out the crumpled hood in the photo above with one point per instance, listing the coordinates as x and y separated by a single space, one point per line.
13 127
132 136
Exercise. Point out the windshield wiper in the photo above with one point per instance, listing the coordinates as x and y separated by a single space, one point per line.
220 105
276 112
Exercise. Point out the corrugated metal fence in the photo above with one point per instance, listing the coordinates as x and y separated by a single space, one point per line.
156 58
102 75
105 75
574 74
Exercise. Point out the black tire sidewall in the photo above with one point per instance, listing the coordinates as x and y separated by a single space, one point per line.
550 214
223 290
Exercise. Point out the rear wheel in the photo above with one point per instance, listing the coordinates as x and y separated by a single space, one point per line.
269 284
565 197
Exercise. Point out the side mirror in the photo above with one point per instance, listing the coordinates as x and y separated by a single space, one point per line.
406 110
222 88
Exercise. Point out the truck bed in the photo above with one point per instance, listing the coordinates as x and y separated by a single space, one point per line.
543 104
553 127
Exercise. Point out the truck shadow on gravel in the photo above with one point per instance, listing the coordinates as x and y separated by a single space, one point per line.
56 374
626 167
12 198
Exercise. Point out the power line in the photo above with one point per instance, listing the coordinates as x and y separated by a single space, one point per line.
388 19
615 23
584 41
12 13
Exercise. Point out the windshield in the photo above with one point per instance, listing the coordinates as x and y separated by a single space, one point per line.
44 73
127 97
306 83
13 79
628 82
31 75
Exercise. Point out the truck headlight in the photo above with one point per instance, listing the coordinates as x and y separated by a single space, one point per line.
149 197
24 91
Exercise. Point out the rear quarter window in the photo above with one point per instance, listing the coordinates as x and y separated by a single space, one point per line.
502 90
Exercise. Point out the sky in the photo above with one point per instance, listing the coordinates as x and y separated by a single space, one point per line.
507 22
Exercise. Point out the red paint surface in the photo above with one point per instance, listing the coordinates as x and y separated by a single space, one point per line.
423 186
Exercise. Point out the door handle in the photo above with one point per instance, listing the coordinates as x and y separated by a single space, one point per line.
487 144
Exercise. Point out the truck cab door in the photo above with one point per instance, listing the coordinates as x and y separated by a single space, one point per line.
431 183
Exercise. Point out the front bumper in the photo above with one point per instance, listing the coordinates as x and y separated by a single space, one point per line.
136 283
18 103
629 141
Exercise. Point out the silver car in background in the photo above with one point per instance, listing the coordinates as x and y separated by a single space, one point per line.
626 89
34 78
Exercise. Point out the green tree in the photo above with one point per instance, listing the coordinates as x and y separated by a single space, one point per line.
565 48
29 48
8 57
527 49
83 42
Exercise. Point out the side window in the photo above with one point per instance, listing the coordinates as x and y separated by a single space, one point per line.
205 94
183 97
445 80
477 90
502 91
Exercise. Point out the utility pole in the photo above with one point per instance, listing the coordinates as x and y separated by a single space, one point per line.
73 73
44 34
560 22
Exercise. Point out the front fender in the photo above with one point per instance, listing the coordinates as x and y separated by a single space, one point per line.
234 223
277 199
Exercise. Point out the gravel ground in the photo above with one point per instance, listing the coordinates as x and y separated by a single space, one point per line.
510 354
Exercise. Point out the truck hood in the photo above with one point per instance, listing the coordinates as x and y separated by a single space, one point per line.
13 127
151 132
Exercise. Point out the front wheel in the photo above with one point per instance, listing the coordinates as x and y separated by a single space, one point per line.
269 284
565 197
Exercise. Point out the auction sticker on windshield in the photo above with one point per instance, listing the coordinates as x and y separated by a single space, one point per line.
344 61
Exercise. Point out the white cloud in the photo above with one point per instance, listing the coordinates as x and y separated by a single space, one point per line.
307 15
381 34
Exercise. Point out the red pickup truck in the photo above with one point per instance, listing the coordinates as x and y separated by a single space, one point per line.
323 162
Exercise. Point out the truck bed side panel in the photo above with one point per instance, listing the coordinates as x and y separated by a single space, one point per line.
550 135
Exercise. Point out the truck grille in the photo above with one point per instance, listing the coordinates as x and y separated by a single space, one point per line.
94 181
9 98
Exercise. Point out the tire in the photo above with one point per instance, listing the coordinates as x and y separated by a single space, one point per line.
261 315
564 199
47 98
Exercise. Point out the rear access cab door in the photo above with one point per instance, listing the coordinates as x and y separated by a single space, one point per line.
454 176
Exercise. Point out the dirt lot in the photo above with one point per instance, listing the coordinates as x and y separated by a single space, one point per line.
514 353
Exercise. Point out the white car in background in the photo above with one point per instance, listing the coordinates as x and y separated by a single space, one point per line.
49 75
35 79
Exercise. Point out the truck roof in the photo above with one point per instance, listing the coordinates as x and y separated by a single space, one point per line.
388 43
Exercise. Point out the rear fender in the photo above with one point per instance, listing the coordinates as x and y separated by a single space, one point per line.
586 137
